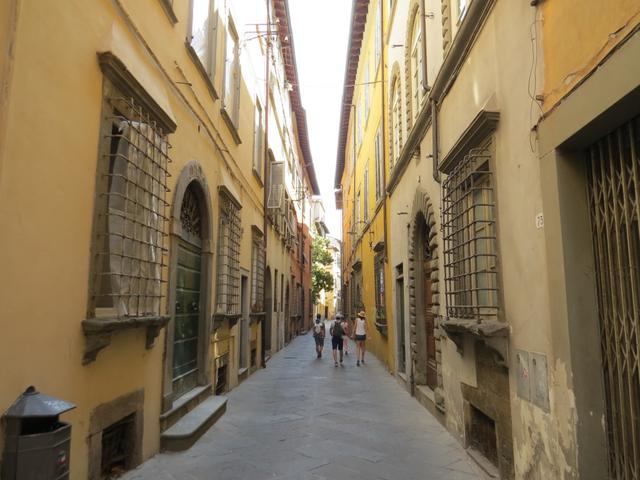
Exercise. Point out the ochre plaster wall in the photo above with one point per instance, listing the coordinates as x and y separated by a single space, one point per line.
577 36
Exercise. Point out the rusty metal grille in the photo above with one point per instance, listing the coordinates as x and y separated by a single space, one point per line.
131 213
469 232
378 272
117 445
229 257
614 197
257 273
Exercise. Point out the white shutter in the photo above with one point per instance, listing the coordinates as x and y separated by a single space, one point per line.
276 185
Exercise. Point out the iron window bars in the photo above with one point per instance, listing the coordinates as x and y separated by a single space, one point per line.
230 233
614 200
470 246
381 311
257 272
129 249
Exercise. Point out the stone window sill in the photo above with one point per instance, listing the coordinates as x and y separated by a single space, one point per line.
231 125
203 71
98 331
167 6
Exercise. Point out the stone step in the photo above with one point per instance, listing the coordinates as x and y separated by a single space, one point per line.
193 425
182 405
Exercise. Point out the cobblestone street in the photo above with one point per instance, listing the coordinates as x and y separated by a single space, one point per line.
302 418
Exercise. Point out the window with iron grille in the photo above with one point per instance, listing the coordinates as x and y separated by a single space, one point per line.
230 233
130 222
257 272
378 267
470 246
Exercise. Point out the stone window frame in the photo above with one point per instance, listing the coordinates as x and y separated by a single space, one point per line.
231 80
126 101
464 233
365 194
205 61
379 281
395 118
257 270
379 163
228 256
258 140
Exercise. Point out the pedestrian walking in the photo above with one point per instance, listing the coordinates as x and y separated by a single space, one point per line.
319 334
346 335
337 341
360 337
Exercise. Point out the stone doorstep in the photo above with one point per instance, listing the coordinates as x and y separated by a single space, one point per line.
183 404
243 374
489 469
193 425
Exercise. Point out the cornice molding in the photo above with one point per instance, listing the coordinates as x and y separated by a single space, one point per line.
481 126
117 72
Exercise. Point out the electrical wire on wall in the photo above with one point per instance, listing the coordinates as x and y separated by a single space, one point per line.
532 86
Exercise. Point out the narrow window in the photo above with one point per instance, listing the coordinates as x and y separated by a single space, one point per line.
258 140
366 194
257 271
229 235
416 68
367 101
202 35
378 37
396 124
232 74
381 313
379 165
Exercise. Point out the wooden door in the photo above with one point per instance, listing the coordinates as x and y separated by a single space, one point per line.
187 317
427 304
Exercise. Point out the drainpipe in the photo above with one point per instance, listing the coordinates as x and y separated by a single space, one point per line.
266 183
435 140
423 26
384 139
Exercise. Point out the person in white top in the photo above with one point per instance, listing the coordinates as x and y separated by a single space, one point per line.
360 337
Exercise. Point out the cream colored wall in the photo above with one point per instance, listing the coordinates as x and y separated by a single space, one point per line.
495 77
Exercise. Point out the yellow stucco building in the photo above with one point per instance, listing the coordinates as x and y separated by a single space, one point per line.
134 171
361 175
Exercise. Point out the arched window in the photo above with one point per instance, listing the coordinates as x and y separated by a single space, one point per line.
396 123
416 66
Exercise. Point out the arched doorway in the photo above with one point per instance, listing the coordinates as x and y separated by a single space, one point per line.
423 285
190 261
426 366
188 302
268 309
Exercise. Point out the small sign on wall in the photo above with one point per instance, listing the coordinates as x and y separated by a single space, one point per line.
532 383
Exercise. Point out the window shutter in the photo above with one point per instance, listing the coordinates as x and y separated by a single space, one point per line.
276 185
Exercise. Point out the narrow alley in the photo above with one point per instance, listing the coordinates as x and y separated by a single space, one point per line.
302 418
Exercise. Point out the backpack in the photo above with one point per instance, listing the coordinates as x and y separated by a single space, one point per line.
317 329
336 329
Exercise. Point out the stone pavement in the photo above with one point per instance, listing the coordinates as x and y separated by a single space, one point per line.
301 418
